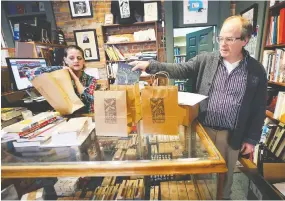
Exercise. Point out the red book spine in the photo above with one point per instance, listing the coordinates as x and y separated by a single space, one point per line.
34 128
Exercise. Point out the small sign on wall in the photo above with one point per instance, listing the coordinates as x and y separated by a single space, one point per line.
195 11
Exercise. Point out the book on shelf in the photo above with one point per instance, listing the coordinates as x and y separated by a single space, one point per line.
274 64
276 32
279 111
113 53
277 138
280 151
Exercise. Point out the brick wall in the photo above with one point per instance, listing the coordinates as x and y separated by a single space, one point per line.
100 7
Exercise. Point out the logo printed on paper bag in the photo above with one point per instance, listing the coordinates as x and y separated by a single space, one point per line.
110 110
157 110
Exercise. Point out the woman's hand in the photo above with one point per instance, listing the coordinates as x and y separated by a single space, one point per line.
76 79
72 74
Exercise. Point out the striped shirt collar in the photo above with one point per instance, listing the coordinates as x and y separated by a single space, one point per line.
243 61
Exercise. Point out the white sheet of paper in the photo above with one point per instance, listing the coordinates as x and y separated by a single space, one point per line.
93 72
191 99
64 143
280 187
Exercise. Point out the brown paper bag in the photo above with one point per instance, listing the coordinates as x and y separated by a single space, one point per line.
57 89
160 110
133 99
111 113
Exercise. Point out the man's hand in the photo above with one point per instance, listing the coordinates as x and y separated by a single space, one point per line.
142 65
246 148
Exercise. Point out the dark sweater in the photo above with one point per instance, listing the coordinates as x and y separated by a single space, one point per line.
202 69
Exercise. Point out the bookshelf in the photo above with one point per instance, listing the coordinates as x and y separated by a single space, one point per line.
277 83
270 116
5 74
277 5
33 14
271 147
272 52
131 42
274 46
116 51
130 47
134 24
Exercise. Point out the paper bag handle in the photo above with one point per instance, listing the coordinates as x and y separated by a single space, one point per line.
166 74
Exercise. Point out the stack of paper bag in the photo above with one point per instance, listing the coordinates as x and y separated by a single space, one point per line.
111 113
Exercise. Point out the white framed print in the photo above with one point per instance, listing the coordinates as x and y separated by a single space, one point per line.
80 8
87 40
109 19
150 11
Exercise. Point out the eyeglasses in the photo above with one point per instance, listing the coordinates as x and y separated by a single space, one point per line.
228 40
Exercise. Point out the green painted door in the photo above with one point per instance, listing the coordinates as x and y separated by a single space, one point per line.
199 42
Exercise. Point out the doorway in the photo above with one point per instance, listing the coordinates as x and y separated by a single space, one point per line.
189 42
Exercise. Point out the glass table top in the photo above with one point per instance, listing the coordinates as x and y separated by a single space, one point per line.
138 151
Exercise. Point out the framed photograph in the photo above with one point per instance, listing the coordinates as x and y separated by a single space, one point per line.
150 11
109 19
251 14
87 40
80 8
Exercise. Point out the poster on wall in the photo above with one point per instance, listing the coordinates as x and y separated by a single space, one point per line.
80 8
87 40
252 43
195 11
251 14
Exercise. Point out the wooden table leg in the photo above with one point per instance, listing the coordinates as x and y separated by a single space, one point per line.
220 185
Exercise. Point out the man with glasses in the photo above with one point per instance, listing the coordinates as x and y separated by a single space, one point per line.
236 84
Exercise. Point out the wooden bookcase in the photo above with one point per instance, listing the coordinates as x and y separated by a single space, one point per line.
271 11
130 47
258 173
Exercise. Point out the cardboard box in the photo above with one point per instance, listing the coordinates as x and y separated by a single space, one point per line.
188 114
203 190
274 172
152 193
182 192
164 191
34 195
121 191
189 106
173 191
191 191
156 191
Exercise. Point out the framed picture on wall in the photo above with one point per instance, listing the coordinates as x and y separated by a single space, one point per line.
80 8
251 14
150 11
87 40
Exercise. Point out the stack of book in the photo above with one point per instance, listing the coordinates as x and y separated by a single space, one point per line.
276 30
279 112
272 143
10 116
114 53
34 131
145 56
274 64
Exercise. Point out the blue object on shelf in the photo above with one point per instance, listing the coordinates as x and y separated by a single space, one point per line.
12 9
